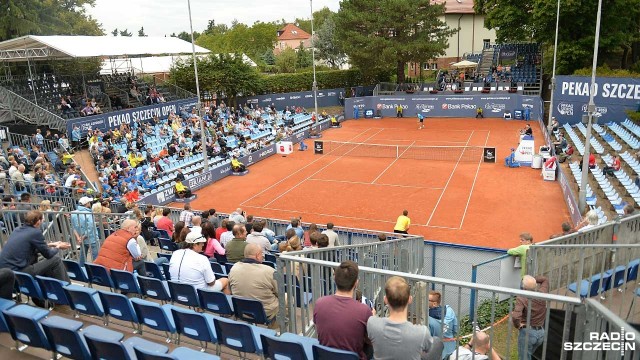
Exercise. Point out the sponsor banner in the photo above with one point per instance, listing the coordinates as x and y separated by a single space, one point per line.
612 96
447 105
525 151
114 119
489 154
318 147
326 97
507 54
569 198
368 113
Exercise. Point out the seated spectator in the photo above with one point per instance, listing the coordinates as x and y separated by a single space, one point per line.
235 247
182 191
382 237
213 245
340 319
237 166
188 266
478 348
307 234
165 223
120 250
249 278
256 237
566 230
394 337
297 227
615 166
589 221
560 144
227 235
26 243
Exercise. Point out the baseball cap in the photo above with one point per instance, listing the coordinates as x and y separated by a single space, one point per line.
85 200
194 238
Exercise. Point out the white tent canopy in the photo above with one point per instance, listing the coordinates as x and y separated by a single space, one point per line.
150 65
67 47
465 64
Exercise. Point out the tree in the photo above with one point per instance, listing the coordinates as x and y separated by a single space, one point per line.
115 32
268 57
304 58
186 36
226 75
125 32
253 40
141 32
326 44
286 61
514 20
379 35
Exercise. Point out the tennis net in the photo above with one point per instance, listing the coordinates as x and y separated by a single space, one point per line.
442 153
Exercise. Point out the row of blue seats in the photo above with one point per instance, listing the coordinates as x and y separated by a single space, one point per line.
625 135
602 282
615 145
633 127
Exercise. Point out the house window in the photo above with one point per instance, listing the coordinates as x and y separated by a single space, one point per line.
434 66
425 66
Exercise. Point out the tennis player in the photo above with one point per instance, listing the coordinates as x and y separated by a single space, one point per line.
420 121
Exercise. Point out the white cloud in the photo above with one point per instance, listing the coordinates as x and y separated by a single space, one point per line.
163 17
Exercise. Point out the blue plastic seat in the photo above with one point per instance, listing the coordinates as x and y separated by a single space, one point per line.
125 282
4 305
167 256
239 336
64 337
119 307
154 288
197 326
166 244
84 300
98 275
106 344
218 268
596 285
326 353
165 271
75 271
183 353
53 290
155 316
306 342
274 347
215 301
228 267
28 286
184 294
249 310
153 270
24 326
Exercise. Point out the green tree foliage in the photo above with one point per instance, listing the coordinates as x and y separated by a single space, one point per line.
141 32
379 34
36 17
126 33
252 40
326 44
226 75
515 20
319 17
186 36
304 58
268 57
286 61
115 32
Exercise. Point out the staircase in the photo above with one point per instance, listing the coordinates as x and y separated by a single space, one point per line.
25 110
486 62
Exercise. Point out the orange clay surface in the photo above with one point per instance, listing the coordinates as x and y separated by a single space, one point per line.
473 203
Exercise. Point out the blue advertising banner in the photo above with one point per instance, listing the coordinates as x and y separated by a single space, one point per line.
114 119
569 198
612 96
218 173
327 97
446 105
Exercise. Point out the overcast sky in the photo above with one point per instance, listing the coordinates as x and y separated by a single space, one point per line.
163 17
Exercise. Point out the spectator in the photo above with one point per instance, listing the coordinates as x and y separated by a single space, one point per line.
190 267
182 191
256 237
165 223
213 245
334 239
628 210
530 332
7 282
20 252
250 279
615 166
323 241
382 237
238 216
120 250
178 230
85 229
213 218
221 229
295 225
478 348
196 221
187 215
526 240
341 321
227 236
313 239
403 223
394 337
235 247
443 323
589 221
24 204
566 230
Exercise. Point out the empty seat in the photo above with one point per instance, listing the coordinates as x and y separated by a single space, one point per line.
184 294
327 353
75 271
64 337
98 275
215 301
154 288
125 282
53 290
24 326
240 336
28 286
197 326
119 307
84 300
155 316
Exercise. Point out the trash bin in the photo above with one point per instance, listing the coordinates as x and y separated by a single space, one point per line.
537 162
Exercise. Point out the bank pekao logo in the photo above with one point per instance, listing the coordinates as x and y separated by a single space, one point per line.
444 106
565 108
458 106
605 341
495 108
425 108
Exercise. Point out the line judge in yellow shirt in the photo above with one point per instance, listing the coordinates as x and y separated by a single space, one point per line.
403 223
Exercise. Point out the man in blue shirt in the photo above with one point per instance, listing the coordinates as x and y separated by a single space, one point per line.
25 243
85 229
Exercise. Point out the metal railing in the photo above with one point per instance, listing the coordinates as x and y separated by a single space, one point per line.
30 112
175 89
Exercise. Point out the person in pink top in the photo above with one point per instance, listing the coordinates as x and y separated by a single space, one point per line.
213 246
165 223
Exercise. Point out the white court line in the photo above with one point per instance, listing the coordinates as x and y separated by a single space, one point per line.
351 217
449 180
292 174
474 183
393 162
421 141
322 168
378 184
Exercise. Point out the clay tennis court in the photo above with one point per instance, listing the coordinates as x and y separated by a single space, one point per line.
457 199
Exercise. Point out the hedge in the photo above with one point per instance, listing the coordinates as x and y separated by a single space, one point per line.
283 83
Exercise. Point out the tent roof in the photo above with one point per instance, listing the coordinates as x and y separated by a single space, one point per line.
67 47
465 64
153 65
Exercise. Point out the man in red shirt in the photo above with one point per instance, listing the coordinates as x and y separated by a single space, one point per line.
592 161
615 166
165 223
221 229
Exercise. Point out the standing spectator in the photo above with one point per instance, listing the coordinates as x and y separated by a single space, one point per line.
165 223
394 337
235 247
85 229
443 322
120 250
187 215
478 348
403 223
76 137
190 267
250 279
521 252
334 239
341 321
20 252
533 332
